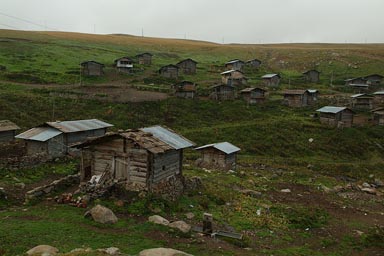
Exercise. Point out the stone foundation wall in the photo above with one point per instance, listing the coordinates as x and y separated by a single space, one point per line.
56 185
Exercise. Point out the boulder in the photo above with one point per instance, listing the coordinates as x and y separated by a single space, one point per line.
102 215
45 250
190 215
286 190
158 220
163 252
371 191
110 251
180 225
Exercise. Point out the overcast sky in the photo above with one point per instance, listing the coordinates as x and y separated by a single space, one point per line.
228 21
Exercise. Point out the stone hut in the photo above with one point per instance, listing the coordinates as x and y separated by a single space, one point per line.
143 159
55 138
312 76
253 95
336 116
271 80
187 66
185 89
254 63
7 131
234 65
220 156
362 101
124 65
233 77
169 71
144 58
222 92
92 68
374 79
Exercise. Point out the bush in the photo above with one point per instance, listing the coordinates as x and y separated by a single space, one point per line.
303 218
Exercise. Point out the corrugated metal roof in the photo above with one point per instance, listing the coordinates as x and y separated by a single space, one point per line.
79 125
234 61
39 134
379 93
361 95
312 90
270 75
228 72
358 85
225 147
168 136
6 125
330 109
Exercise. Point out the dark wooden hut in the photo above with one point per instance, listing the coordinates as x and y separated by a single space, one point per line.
271 80
144 58
143 159
253 95
234 64
187 66
92 68
378 116
55 138
336 116
296 98
374 79
185 89
124 65
355 81
312 76
7 131
233 77
222 92
362 101
220 156
254 63
169 71
378 98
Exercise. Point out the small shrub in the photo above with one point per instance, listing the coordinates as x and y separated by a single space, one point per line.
303 218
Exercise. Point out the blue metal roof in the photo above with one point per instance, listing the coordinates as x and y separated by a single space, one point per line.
79 125
168 136
39 134
330 109
225 147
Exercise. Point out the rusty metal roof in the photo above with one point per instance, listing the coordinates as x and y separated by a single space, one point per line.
39 134
170 137
6 125
294 92
225 147
79 125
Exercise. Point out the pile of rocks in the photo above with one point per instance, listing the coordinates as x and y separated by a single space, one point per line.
179 225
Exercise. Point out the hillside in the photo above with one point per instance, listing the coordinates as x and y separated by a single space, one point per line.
281 147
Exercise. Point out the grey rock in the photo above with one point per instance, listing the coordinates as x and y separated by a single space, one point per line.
110 251
286 190
190 215
103 215
366 185
157 219
180 225
163 252
371 191
45 250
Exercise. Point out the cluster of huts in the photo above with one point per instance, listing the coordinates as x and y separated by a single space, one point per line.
363 83
143 157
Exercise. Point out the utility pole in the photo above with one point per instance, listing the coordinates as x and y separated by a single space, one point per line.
142 32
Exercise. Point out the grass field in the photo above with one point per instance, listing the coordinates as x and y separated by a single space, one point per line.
41 83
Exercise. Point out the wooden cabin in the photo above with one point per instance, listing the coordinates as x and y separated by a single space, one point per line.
362 101
312 76
254 63
355 81
378 116
295 98
142 159
124 65
313 96
378 98
92 68
185 89
374 79
220 156
187 66
169 71
271 80
144 58
7 131
253 95
336 116
234 65
222 92
54 138
233 77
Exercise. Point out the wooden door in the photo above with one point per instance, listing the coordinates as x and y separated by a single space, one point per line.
121 168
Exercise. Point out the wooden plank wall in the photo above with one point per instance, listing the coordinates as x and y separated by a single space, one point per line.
166 165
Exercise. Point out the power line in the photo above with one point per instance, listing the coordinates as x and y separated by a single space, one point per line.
5 25
27 21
